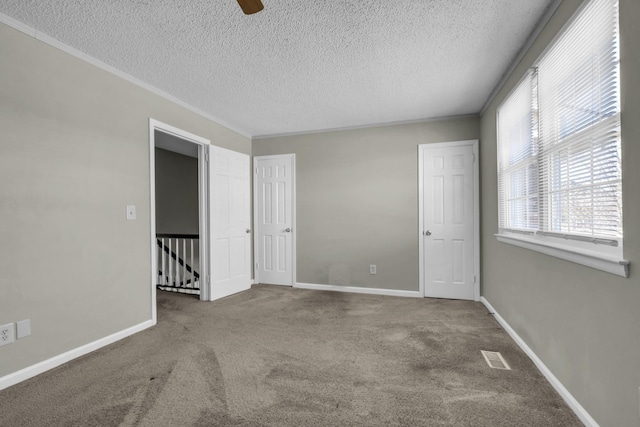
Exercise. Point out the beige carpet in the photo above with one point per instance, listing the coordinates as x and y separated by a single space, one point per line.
275 356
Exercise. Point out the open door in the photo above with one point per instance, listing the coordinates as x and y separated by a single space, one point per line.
229 222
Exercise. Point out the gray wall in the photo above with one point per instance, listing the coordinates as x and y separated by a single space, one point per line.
584 324
357 200
176 193
74 151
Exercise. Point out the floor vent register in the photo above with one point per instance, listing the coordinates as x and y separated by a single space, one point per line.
495 360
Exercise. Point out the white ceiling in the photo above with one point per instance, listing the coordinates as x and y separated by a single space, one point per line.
301 65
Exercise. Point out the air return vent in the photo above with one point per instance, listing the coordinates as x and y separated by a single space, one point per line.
495 360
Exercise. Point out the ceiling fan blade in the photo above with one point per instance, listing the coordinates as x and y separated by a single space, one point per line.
250 6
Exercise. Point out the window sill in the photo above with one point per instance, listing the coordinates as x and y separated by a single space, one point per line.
609 264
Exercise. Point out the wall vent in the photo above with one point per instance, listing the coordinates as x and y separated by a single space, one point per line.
495 360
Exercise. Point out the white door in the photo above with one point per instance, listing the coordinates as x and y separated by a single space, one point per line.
274 219
449 220
229 210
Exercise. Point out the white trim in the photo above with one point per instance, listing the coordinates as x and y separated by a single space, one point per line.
555 382
203 197
476 219
421 272
254 225
365 126
30 31
177 132
446 144
152 219
359 290
474 143
203 215
613 265
294 225
39 368
294 228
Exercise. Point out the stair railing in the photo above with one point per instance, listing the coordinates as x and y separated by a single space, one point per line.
176 263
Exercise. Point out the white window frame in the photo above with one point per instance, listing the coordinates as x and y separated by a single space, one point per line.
599 253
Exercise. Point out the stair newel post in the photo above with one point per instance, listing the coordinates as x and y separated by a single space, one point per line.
170 278
163 281
193 267
177 278
184 266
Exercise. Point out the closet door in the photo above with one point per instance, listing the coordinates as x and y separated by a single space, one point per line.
449 234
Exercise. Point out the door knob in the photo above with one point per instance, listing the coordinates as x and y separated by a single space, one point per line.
248 230
427 233
288 230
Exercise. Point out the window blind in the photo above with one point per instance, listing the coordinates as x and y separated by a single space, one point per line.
579 127
559 156
517 160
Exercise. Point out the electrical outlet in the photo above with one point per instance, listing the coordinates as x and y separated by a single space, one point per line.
373 269
7 334
131 212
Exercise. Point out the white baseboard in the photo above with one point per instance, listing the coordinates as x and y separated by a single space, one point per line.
358 290
555 382
38 368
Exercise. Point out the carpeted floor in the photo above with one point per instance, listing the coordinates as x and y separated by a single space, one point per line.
276 356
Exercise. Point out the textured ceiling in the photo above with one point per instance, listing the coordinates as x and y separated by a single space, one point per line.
300 65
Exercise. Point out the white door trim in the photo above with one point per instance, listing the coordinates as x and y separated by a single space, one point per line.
476 210
202 143
294 228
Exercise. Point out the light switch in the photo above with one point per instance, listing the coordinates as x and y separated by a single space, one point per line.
131 212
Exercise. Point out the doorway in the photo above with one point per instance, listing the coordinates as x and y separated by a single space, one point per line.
173 262
449 211
274 219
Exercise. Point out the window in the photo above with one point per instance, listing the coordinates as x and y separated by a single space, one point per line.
559 155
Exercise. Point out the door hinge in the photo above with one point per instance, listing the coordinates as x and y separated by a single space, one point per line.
206 157
474 279
473 157
256 171
208 279
257 267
